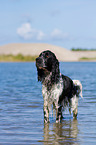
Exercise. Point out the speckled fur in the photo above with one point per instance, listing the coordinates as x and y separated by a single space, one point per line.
57 90
52 96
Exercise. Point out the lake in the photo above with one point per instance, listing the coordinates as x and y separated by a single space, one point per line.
21 107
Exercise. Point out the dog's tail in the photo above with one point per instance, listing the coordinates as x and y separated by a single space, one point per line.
78 85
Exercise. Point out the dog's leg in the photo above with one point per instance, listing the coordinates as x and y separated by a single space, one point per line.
46 114
75 112
74 106
59 114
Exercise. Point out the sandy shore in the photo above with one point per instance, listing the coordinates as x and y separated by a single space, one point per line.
86 54
34 49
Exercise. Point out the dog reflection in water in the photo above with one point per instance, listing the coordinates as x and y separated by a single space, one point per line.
65 132
57 89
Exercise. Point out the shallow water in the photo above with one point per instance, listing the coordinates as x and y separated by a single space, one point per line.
21 107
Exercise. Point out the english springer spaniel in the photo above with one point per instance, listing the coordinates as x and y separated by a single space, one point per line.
58 90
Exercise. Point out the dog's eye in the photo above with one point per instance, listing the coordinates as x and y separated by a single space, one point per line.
46 55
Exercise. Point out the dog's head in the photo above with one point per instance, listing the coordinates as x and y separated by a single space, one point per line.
47 64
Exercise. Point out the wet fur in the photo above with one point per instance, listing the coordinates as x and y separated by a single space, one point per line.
58 90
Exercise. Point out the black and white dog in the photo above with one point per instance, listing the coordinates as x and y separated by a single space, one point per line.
58 90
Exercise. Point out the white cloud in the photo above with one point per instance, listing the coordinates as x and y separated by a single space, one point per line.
59 35
40 35
27 32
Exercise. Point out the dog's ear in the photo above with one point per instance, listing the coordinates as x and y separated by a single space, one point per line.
40 75
55 71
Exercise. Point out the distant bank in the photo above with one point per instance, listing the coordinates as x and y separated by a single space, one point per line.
29 51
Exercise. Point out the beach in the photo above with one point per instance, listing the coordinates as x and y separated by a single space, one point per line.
34 49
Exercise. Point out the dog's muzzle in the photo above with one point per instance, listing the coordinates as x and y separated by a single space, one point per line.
40 63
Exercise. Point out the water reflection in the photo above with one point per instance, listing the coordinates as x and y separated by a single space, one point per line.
58 134
21 103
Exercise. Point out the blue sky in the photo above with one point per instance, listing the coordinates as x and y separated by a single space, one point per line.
65 23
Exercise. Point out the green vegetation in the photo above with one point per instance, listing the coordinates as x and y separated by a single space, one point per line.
88 59
83 49
17 58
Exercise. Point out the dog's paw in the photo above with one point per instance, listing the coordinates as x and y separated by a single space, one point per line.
46 121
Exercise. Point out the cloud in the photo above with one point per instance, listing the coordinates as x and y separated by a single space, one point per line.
27 32
59 35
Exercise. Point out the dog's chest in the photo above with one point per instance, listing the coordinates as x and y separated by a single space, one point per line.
52 96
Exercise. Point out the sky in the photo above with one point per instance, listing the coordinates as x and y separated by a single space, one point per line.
65 23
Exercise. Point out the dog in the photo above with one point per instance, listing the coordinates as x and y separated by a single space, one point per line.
57 89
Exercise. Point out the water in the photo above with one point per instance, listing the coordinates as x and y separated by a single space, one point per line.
21 107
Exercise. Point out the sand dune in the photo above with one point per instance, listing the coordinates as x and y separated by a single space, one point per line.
36 48
87 54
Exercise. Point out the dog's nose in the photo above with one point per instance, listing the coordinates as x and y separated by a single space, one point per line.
39 60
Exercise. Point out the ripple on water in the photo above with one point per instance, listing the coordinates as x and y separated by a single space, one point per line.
21 107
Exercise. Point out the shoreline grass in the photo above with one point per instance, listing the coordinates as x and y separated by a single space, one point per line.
87 59
17 58
81 49
29 58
